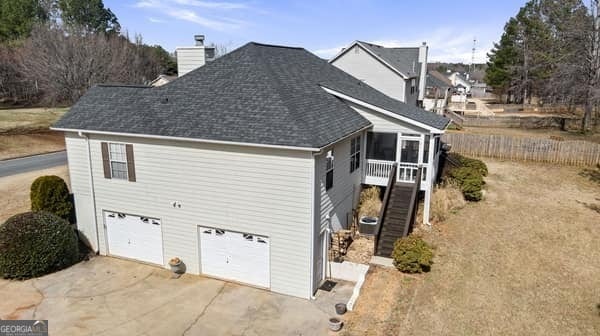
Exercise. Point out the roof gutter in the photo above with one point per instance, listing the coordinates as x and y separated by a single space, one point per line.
163 137
432 129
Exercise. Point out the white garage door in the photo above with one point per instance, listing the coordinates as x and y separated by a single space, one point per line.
237 256
134 237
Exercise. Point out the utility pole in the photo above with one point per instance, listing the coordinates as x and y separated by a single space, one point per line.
472 67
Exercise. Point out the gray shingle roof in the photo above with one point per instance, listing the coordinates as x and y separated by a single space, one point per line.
436 79
257 94
404 60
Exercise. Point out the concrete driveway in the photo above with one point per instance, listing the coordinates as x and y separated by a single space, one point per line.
109 296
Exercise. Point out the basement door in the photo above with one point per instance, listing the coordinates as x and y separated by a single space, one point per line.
242 257
134 237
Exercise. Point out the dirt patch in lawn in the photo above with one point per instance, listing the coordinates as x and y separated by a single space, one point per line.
360 250
524 261
12 146
15 190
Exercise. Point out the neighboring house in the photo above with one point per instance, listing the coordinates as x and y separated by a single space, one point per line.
190 58
398 72
242 167
437 92
462 84
479 90
162 80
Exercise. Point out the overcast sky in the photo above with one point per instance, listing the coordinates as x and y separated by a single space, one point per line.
323 26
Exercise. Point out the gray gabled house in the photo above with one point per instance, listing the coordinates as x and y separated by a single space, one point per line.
398 72
242 167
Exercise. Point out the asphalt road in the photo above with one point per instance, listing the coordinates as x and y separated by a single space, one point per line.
31 163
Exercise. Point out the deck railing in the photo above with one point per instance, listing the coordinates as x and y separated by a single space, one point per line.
379 168
378 171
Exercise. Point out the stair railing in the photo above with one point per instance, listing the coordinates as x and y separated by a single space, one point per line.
414 204
384 204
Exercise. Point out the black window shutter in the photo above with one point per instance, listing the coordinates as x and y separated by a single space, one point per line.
130 162
105 160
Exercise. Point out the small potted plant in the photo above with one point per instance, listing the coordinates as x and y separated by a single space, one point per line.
176 265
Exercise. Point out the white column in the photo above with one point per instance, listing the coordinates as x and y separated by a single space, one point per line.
429 181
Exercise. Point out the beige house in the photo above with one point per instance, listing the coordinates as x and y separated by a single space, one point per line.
241 168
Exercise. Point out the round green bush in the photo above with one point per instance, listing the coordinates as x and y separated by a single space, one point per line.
412 255
36 243
50 193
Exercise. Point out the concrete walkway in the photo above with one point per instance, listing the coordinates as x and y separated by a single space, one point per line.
108 296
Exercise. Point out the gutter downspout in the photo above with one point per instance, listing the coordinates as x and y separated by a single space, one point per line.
92 193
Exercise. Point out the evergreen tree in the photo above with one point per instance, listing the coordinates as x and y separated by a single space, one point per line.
90 15
17 18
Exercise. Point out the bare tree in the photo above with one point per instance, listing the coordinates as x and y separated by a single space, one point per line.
66 63
593 67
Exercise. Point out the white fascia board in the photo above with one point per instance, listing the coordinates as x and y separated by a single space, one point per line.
431 129
162 137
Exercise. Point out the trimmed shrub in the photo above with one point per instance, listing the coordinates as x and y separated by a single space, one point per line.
470 182
36 243
50 193
369 203
471 163
412 255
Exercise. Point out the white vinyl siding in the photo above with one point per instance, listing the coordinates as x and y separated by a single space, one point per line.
364 66
336 203
244 189
190 58
80 186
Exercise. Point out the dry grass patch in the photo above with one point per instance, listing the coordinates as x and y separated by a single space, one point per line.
445 200
384 304
12 146
28 120
554 134
15 190
524 261
369 203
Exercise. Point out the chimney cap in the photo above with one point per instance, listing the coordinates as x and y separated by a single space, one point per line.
199 40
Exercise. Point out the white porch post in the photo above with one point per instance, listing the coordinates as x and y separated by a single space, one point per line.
429 180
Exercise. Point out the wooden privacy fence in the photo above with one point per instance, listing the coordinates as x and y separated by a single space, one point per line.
569 152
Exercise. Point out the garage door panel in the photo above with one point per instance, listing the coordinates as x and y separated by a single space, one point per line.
237 256
134 237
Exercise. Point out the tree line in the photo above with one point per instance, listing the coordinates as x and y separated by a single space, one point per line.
549 52
52 51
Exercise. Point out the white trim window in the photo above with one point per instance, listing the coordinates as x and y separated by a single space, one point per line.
329 171
355 153
413 86
118 161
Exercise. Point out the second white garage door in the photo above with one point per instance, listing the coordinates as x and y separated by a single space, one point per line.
237 256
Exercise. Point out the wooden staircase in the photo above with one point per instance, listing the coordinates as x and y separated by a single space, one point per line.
394 222
398 213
